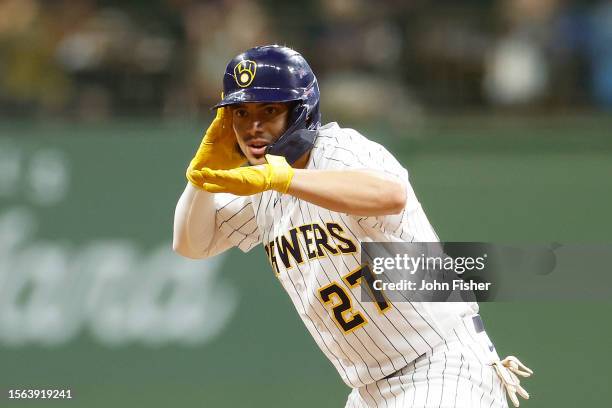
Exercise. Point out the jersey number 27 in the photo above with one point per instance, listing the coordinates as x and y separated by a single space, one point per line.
336 297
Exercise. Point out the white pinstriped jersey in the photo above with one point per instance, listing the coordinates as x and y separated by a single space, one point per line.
314 252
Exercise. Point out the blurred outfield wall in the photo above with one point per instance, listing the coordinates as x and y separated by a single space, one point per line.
93 299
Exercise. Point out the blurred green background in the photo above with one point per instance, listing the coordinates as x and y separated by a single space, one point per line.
500 179
499 109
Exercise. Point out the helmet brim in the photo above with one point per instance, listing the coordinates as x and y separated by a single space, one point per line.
259 95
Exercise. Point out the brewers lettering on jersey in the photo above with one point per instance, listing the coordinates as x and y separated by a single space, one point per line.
267 172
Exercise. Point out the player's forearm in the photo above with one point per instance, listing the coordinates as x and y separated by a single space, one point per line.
194 223
357 192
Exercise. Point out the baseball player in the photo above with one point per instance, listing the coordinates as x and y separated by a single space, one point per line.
268 173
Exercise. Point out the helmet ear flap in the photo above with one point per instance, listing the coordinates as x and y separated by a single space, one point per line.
294 112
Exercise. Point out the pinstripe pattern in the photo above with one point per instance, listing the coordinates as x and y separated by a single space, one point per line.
401 356
235 221
448 376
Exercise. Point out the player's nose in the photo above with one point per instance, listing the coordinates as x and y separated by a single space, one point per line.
255 128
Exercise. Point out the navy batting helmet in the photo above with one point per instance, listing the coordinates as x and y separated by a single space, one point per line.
273 73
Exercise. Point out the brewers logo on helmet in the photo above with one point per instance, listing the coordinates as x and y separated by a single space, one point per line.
244 73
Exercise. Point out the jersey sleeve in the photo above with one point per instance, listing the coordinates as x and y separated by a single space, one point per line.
235 223
350 150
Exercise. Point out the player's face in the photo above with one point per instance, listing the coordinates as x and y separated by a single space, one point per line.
257 125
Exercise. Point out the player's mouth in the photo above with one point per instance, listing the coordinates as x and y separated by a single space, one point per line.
257 147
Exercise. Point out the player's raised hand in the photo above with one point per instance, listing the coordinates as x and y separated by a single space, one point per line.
218 148
274 175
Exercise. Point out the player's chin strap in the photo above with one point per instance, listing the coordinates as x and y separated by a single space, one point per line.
507 370
297 140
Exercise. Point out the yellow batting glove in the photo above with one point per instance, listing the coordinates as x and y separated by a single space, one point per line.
275 175
218 149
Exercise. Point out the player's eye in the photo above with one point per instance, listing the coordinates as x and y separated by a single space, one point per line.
240 113
270 110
